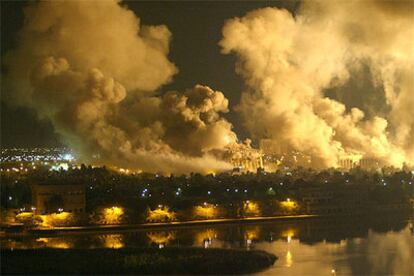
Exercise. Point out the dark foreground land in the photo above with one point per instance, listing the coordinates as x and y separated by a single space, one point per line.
134 261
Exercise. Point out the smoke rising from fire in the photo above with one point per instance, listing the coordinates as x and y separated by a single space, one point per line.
92 69
289 61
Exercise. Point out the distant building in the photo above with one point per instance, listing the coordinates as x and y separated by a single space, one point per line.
349 161
271 147
58 198
244 158
369 164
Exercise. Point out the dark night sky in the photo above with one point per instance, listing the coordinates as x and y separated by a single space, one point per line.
196 28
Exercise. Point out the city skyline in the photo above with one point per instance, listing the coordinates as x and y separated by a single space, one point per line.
132 84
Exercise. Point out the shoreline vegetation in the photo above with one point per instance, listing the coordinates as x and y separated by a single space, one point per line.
135 261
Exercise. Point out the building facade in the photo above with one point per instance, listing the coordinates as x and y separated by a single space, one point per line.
58 198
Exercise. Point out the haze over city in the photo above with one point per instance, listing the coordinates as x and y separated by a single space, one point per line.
329 89
207 137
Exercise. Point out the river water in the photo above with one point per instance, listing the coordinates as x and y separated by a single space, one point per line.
341 246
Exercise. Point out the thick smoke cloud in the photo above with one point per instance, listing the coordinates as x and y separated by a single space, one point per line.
288 62
92 69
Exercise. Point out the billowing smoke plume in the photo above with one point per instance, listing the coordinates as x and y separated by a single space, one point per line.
289 61
91 68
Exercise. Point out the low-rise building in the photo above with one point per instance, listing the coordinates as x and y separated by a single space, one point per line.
58 198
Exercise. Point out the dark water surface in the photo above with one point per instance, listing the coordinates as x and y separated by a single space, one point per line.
362 245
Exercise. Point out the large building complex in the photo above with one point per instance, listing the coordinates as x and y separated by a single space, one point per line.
244 158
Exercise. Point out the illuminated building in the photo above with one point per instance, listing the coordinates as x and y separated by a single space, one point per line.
369 164
52 198
244 158
349 161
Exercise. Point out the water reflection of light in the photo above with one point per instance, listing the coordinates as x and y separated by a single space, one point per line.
205 237
161 238
312 255
289 259
250 235
55 243
288 234
113 241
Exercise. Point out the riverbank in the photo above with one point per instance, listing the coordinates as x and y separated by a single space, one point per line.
121 227
135 261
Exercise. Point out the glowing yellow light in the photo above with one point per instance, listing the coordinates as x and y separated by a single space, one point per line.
162 237
251 208
56 219
211 172
288 204
113 214
205 211
162 213
24 217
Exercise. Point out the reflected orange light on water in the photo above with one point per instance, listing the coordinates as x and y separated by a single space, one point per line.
206 235
289 259
113 241
161 237
60 243
251 235
289 234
